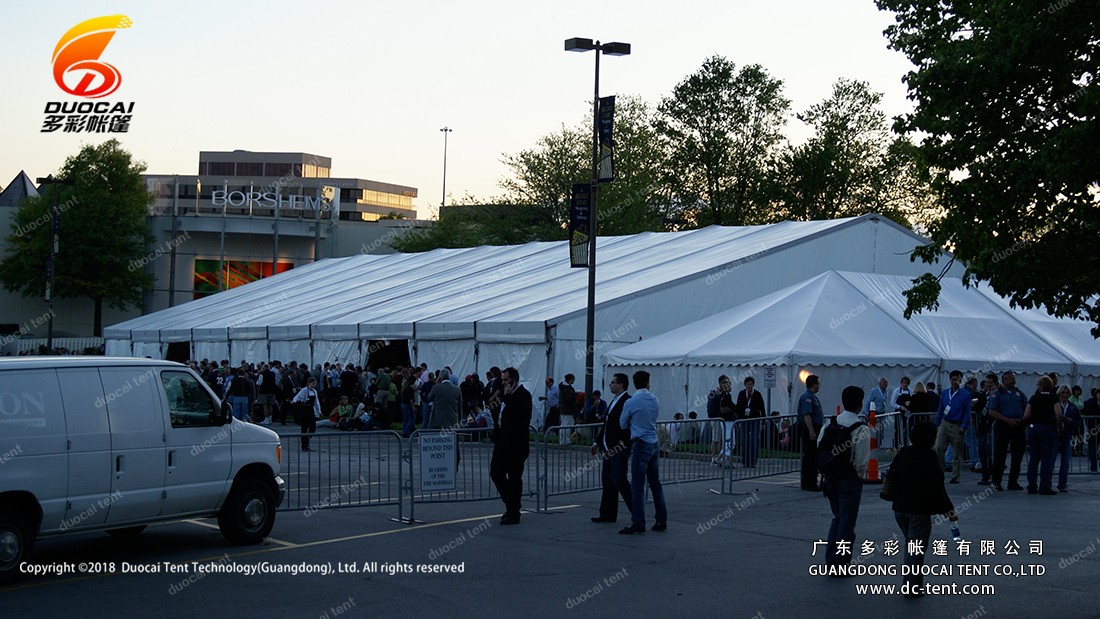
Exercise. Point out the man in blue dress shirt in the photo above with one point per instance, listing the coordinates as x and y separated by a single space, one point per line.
640 416
953 418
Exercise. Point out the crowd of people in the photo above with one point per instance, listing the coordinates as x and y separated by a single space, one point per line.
835 455
351 397
988 420
1048 424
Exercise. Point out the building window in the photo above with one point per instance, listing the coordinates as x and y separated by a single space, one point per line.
250 169
276 169
222 168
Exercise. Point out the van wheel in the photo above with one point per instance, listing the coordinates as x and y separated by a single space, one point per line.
126 531
249 512
16 544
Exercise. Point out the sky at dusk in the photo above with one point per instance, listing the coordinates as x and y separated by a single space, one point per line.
371 83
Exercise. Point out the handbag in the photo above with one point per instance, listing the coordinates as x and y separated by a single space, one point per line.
889 486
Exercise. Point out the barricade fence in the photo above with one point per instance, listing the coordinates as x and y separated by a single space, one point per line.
572 462
890 435
341 469
686 447
566 462
756 447
354 469
471 480
1083 446
981 435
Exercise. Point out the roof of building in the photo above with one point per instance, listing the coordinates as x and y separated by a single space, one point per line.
19 188
844 318
507 293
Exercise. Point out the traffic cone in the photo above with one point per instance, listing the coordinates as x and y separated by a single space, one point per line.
872 461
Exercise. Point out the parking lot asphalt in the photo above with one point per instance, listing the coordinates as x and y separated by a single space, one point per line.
749 554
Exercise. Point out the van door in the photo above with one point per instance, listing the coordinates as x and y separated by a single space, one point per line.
200 448
135 412
32 440
89 466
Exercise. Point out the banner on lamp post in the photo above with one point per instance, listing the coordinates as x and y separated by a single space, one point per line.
580 215
606 122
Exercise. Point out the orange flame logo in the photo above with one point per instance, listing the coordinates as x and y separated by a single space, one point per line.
78 53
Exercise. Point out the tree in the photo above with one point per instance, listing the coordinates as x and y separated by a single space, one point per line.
1008 114
544 176
852 165
103 233
470 223
722 126
536 198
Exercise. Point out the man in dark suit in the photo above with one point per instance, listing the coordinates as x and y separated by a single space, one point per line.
512 444
750 411
614 443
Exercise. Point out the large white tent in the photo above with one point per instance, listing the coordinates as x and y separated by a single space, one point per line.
515 305
849 328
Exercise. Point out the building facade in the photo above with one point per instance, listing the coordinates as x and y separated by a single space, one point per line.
244 217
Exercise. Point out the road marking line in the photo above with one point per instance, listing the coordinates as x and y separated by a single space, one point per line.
366 535
215 527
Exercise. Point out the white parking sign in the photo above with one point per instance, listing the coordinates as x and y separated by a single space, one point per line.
437 461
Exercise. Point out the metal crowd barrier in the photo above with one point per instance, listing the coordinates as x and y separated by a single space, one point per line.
763 447
891 436
1083 452
687 450
1084 447
471 479
354 469
568 466
342 469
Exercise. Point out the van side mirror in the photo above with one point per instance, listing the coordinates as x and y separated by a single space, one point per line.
226 413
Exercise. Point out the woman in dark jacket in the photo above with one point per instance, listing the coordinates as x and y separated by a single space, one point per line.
918 493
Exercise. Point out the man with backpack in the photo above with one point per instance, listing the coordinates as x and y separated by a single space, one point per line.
843 448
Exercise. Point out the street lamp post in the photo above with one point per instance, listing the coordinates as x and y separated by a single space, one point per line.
55 246
577 44
445 131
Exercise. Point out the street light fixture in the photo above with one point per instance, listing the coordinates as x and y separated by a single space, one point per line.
445 131
55 247
578 44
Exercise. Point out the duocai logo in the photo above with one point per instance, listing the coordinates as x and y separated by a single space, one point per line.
78 71
77 68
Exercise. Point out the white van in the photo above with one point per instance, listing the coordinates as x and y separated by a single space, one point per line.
114 444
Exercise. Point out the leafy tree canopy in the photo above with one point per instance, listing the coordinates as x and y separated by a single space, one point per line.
722 126
851 165
1008 118
103 233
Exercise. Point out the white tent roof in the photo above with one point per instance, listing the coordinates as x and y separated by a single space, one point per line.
843 318
1071 337
821 321
512 292
966 329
